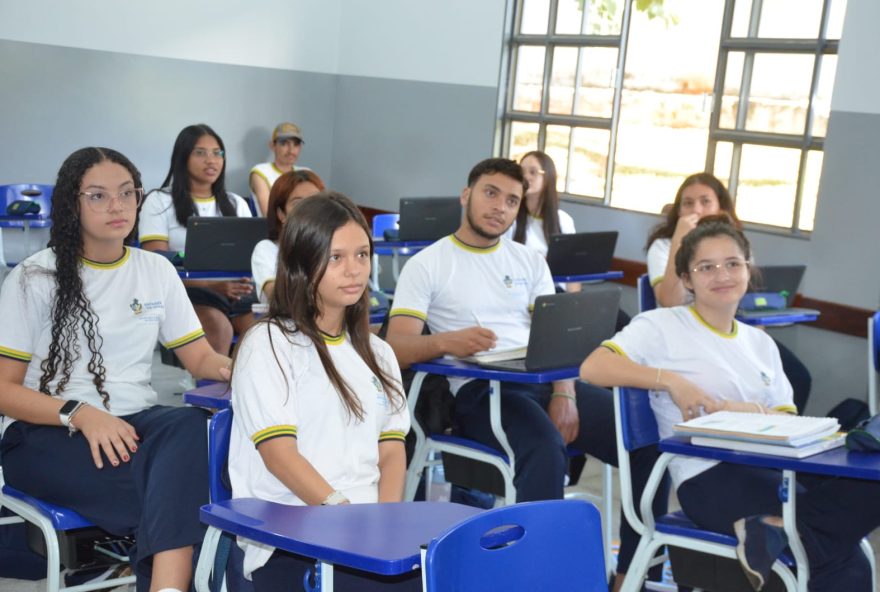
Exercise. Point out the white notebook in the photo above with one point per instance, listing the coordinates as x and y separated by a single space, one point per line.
827 443
776 429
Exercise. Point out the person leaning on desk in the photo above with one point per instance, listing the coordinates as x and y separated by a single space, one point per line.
474 289
697 359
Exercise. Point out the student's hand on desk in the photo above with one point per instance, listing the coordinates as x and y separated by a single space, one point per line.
467 342
105 432
689 398
564 415
235 289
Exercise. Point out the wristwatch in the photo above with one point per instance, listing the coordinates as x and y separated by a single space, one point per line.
68 410
334 499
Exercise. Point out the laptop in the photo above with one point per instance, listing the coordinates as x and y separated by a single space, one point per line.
779 279
565 328
428 218
223 243
581 253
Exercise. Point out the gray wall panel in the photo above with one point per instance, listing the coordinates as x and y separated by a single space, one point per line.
398 138
57 99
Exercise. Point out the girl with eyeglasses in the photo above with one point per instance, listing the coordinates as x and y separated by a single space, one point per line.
195 186
320 414
82 427
539 216
701 195
697 359
290 189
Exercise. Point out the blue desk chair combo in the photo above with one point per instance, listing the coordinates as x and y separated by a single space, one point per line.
427 445
41 195
873 360
636 428
51 520
381 223
550 545
647 300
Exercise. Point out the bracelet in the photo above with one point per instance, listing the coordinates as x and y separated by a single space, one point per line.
72 429
566 395
657 380
334 499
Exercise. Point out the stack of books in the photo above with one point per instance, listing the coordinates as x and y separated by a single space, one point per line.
781 435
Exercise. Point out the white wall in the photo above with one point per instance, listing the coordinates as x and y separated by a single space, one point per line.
287 34
453 41
857 86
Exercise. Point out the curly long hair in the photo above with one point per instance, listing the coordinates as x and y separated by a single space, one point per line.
548 202
667 228
303 254
177 180
71 309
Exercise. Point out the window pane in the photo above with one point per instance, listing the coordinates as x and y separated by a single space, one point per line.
767 185
780 93
562 80
811 189
589 157
666 102
723 156
596 93
742 11
794 19
822 101
535 14
556 146
529 79
732 83
523 138
602 17
835 19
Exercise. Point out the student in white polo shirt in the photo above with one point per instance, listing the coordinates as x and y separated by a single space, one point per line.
319 412
286 144
195 186
80 322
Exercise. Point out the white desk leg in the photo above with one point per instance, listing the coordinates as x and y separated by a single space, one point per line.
326 577
395 266
501 436
789 513
374 272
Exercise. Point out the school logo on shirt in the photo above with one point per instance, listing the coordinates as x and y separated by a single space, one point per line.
136 307
510 282
147 312
381 399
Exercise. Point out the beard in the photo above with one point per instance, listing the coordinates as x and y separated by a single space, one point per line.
479 230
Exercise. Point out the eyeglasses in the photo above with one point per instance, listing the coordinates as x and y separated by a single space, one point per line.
204 154
100 201
535 172
732 267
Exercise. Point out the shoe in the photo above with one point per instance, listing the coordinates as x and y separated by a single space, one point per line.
759 545
96 574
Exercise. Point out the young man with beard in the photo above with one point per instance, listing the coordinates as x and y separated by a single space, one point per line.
474 290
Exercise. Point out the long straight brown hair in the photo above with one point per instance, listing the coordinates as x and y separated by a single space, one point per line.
548 203
303 253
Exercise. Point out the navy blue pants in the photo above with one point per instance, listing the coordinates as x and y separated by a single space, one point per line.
541 455
155 496
833 515
284 572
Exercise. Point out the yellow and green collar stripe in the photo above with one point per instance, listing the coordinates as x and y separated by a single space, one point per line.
473 249
126 253
333 339
703 322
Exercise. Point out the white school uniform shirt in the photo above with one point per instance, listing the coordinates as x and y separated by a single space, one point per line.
535 231
452 286
741 366
270 173
138 300
658 256
280 388
263 263
158 222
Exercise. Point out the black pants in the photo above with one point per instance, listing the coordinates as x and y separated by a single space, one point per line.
541 455
833 515
285 572
798 375
155 496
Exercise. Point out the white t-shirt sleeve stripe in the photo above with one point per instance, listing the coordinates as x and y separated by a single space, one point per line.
181 325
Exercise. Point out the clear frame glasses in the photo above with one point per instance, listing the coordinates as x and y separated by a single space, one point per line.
205 154
732 267
101 201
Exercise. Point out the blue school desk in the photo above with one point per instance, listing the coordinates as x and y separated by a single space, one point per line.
588 277
217 395
783 317
384 539
186 274
395 249
838 462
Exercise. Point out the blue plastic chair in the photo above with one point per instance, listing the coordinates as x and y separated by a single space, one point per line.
383 222
51 520
636 428
647 299
550 545
873 360
41 194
